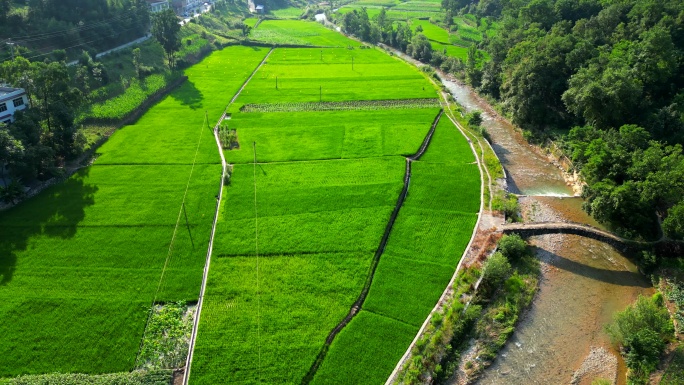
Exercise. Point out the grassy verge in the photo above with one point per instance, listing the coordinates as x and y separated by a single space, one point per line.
481 313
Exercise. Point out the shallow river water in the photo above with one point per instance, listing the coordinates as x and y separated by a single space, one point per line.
583 281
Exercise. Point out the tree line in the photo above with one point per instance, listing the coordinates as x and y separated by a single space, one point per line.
45 136
381 29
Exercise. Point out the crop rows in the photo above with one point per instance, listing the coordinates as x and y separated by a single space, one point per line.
356 105
134 96
334 74
329 134
286 268
82 261
426 243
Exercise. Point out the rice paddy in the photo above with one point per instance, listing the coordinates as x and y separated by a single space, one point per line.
287 269
82 261
297 229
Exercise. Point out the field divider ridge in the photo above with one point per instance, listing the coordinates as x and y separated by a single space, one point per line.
356 306
448 291
247 82
205 274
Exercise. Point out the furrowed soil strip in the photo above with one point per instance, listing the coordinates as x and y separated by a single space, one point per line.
356 105
203 288
356 306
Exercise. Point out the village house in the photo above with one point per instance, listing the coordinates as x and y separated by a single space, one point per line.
158 5
11 100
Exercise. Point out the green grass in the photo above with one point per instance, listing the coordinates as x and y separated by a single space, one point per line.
304 77
433 32
299 32
82 260
426 243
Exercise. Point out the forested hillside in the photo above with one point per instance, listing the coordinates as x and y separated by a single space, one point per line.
614 70
38 27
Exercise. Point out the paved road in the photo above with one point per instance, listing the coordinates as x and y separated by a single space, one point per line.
130 43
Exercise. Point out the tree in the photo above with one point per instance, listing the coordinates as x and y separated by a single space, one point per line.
474 118
165 29
495 271
137 61
5 7
10 149
642 330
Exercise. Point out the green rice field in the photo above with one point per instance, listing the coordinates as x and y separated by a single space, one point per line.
299 32
297 230
312 75
82 261
431 232
285 271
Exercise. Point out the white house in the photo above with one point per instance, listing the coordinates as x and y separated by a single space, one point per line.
158 5
11 100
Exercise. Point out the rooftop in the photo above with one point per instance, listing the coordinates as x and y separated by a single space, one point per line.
8 90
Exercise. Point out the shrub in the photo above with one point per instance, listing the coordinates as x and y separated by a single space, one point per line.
512 247
474 118
642 330
496 269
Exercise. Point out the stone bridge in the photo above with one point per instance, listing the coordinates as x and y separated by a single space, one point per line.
621 244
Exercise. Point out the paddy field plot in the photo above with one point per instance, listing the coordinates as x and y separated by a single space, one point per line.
82 261
426 243
287 267
299 32
314 75
319 225
289 136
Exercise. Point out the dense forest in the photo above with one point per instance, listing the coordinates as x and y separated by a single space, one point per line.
37 27
612 72
602 77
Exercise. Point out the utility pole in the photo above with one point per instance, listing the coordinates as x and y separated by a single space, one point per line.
187 224
11 47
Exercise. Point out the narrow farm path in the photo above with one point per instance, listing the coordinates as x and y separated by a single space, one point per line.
356 306
224 167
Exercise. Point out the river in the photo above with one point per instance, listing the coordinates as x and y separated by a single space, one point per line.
561 338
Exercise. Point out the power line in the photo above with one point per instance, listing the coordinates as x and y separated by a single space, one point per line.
52 48
256 247
85 27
